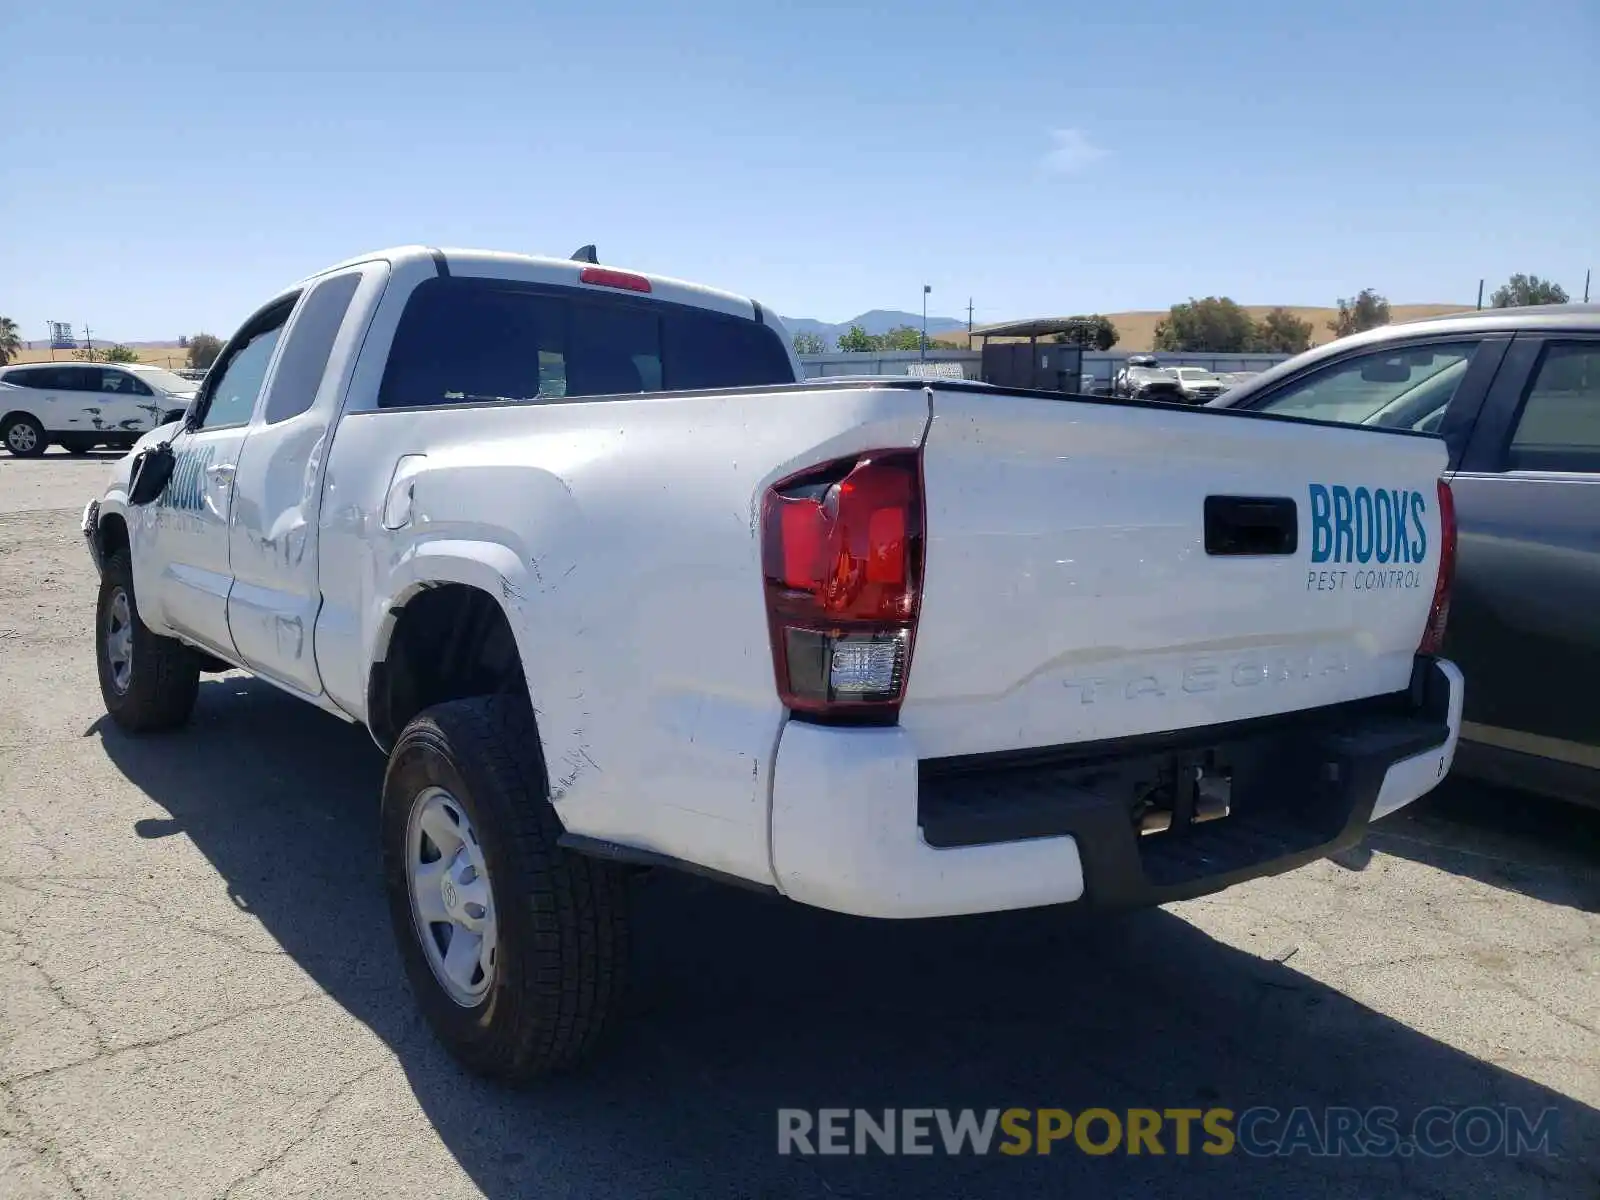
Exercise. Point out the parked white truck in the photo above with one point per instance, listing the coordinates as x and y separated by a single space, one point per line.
614 589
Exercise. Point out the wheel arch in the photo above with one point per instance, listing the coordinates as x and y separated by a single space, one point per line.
111 534
451 631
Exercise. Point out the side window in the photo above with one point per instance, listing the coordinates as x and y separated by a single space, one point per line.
1398 387
121 382
52 379
79 379
310 344
1559 426
234 397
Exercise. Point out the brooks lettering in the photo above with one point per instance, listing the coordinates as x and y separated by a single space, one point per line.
1367 525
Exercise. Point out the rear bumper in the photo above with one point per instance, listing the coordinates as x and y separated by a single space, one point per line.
860 825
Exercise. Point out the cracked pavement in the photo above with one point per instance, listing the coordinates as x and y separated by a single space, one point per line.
199 995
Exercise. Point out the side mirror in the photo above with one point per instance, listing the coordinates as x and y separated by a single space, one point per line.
151 471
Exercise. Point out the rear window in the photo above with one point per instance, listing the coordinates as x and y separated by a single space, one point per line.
466 341
28 377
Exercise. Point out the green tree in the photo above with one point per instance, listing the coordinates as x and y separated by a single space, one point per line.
809 343
203 350
10 340
121 354
1366 311
1215 324
89 354
1281 332
901 337
1092 332
857 340
1521 290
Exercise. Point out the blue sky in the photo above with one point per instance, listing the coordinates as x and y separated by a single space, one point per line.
169 169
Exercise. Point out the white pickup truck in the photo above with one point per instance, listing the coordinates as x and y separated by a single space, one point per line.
614 589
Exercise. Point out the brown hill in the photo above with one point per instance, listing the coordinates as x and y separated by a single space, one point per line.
156 355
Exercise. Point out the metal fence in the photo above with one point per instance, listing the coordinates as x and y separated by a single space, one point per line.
888 362
1099 366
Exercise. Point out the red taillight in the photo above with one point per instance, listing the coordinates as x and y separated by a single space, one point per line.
606 277
1439 614
841 552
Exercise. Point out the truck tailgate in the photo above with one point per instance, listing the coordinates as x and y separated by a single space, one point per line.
1101 570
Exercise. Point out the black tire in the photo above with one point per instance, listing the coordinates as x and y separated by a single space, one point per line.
25 432
164 677
75 447
562 950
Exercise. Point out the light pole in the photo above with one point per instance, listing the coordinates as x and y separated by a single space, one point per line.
922 349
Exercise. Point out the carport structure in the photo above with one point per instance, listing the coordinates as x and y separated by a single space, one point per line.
1056 366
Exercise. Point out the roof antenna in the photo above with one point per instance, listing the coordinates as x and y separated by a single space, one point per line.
586 254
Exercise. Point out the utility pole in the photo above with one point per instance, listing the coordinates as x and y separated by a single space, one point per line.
1586 287
88 341
1480 295
922 349
969 322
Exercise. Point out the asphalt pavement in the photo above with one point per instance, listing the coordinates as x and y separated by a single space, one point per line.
200 997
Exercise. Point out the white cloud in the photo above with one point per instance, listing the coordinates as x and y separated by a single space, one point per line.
1070 152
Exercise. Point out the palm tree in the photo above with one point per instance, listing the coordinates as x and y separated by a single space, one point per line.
10 343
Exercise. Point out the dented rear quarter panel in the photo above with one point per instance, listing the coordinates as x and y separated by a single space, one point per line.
621 538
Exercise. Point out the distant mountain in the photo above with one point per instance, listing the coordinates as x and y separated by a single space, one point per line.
879 320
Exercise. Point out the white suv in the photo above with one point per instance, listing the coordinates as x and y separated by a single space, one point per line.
1199 385
83 405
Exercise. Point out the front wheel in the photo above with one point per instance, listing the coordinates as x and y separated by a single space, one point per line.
148 682
24 436
516 949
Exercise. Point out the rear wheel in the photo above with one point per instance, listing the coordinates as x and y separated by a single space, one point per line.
148 682
516 949
24 436
76 446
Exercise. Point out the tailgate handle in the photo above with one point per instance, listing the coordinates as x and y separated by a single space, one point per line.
1249 525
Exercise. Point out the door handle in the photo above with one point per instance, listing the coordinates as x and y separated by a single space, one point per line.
220 470
1251 525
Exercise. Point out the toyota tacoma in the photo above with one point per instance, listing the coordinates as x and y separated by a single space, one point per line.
613 588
